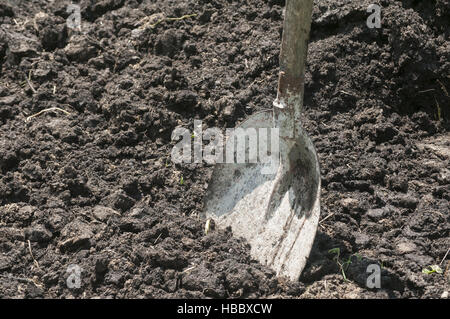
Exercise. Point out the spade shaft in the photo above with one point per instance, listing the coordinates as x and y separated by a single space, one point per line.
294 47
277 213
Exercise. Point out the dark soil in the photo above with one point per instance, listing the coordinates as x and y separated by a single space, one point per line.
96 188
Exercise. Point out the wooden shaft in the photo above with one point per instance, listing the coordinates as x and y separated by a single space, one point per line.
294 47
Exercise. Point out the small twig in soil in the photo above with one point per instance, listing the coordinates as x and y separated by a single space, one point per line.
172 19
189 269
186 16
443 259
47 110
425 91
156 240
31 253
324 219
256 81
29 83
346 93
24 280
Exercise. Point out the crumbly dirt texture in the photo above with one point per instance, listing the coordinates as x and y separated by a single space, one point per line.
86 117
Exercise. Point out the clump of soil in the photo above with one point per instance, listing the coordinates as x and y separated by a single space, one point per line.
86 118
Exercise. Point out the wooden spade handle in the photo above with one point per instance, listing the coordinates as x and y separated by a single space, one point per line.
294 47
